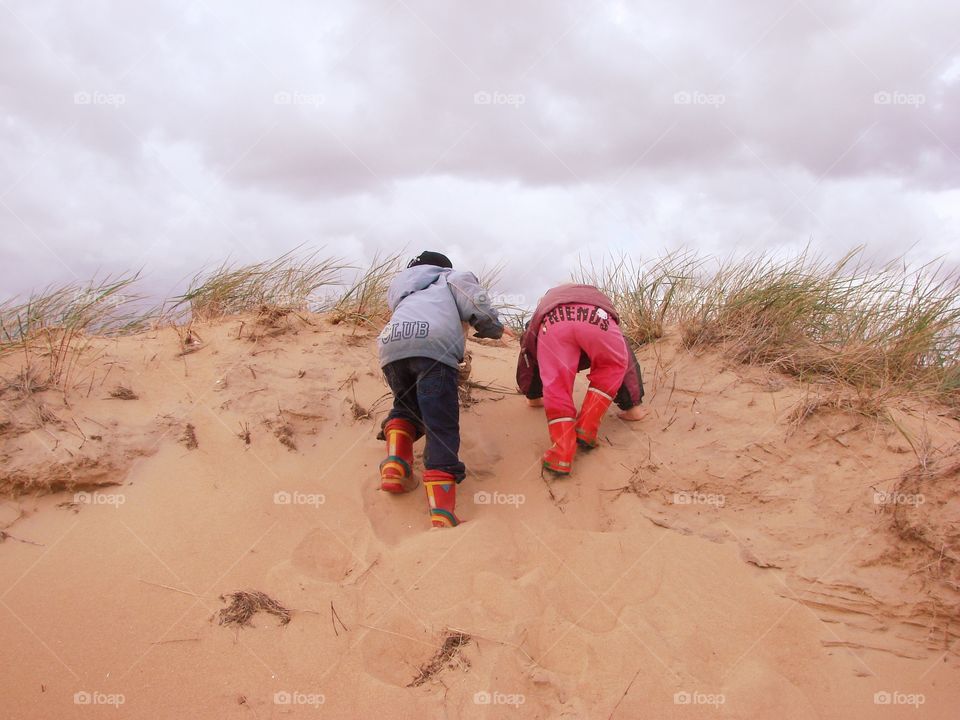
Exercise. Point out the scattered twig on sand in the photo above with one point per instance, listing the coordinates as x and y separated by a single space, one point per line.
121 392
189 437
170 587
447 656
359 412
74 421
176 640
244 604
553 497
612 712
4 535
242 700
335 618
396 634
244 433
475 637
362 575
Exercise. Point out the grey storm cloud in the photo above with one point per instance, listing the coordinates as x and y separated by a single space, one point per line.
173 134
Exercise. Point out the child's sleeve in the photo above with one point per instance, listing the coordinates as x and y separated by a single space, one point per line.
473 304
528 371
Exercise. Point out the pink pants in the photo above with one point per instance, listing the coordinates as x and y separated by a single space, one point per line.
568 331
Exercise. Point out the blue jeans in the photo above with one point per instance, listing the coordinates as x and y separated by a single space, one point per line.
425 393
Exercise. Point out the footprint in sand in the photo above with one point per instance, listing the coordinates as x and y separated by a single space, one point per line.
480 453
321 555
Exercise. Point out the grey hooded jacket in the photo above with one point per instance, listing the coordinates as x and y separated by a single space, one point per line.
429 305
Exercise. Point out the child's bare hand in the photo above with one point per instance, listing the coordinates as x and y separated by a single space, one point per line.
535 402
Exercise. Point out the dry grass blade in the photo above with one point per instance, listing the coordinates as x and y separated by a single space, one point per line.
447 656
244 604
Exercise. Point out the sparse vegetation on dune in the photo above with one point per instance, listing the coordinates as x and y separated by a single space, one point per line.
52 327
892 328
288 282
872 328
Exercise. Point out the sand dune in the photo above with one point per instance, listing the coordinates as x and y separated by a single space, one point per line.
751 551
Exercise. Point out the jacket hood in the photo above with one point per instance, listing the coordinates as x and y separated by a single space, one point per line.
412 280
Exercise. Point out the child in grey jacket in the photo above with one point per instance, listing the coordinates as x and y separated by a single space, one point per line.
420 350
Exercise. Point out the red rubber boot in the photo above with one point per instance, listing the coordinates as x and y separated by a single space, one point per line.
559 458
396 471
441 490
595 404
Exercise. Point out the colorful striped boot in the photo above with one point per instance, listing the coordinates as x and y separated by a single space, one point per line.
595 404
441 490
396 472
559 458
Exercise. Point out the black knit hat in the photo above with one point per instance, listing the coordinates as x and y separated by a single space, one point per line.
431 258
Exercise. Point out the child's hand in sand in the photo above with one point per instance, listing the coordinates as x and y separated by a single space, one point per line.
535 402
637 412
509 332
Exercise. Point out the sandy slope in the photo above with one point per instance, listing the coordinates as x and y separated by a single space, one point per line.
781 589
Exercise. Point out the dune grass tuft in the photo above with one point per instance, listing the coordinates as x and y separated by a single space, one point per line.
52 328
288 282
869 327
364 302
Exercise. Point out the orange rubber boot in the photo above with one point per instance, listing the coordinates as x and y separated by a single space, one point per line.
595 404
396 472
441 490
559 458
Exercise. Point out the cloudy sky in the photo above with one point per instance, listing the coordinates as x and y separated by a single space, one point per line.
171 135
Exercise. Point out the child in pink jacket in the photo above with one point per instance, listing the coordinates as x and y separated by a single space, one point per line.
576 327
